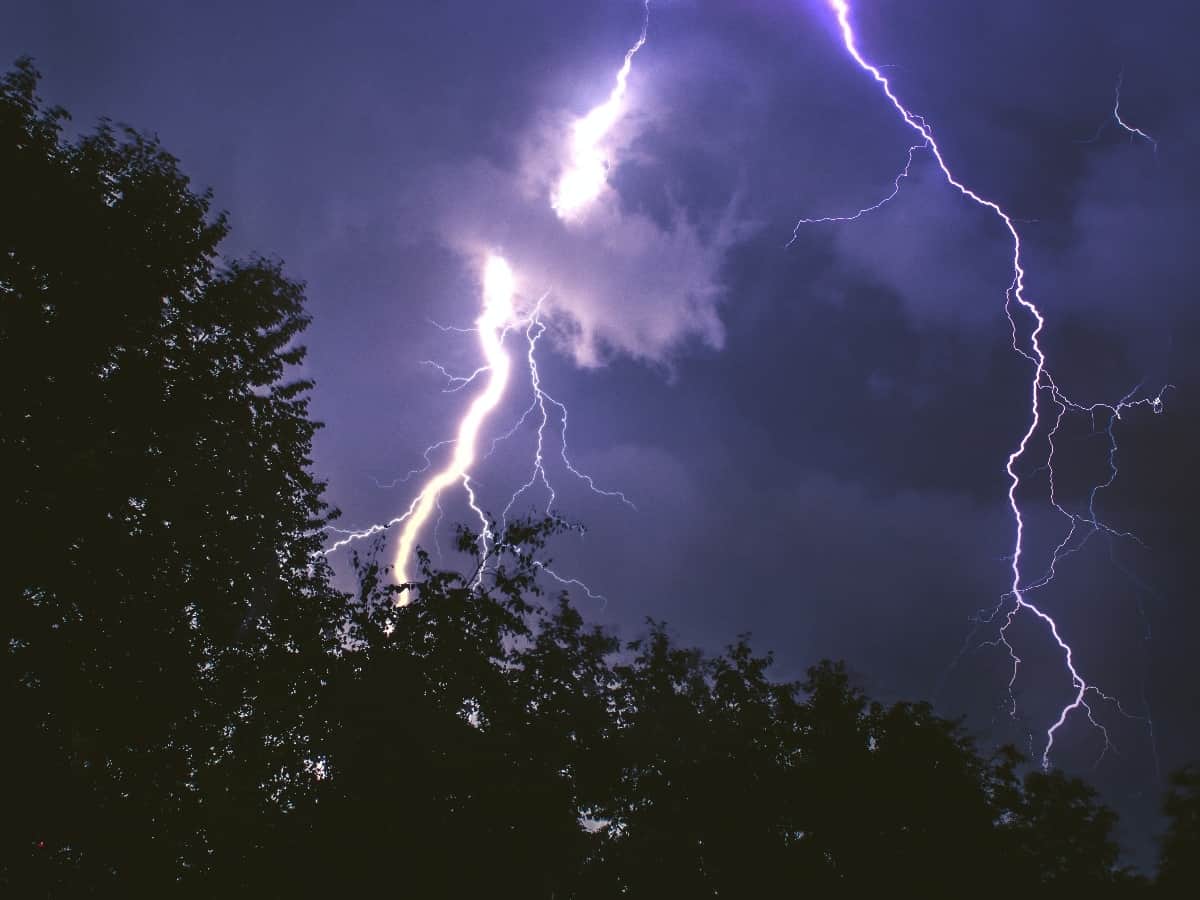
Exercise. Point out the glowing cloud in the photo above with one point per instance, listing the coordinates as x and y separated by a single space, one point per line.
586 173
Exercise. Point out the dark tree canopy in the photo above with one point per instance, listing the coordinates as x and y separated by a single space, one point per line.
164 613
1179 863
191 708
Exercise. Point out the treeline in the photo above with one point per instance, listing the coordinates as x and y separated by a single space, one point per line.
190 707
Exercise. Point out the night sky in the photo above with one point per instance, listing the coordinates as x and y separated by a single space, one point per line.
814 435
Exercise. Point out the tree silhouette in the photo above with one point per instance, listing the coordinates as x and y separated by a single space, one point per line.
165 615
465 722
1062 835
1179 857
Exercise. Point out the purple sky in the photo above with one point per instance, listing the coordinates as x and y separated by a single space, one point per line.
814 436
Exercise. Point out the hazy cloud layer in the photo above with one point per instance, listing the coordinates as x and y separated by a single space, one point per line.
617 280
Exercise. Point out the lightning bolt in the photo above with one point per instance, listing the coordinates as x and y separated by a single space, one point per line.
1115 116
402 479
541 403
499 286
1041 383
866 209
587 172
583 179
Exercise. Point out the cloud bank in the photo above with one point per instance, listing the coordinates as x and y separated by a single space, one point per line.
617 279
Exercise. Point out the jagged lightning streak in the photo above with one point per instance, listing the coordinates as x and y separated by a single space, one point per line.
1041 381
1090 522
499 286
1115 116
403 479
582 182
586 174
904 173
541 401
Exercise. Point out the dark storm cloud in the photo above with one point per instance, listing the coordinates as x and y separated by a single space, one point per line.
824 464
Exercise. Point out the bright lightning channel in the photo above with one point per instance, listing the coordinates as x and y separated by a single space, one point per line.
582 182
499 287
1041 383
587 173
